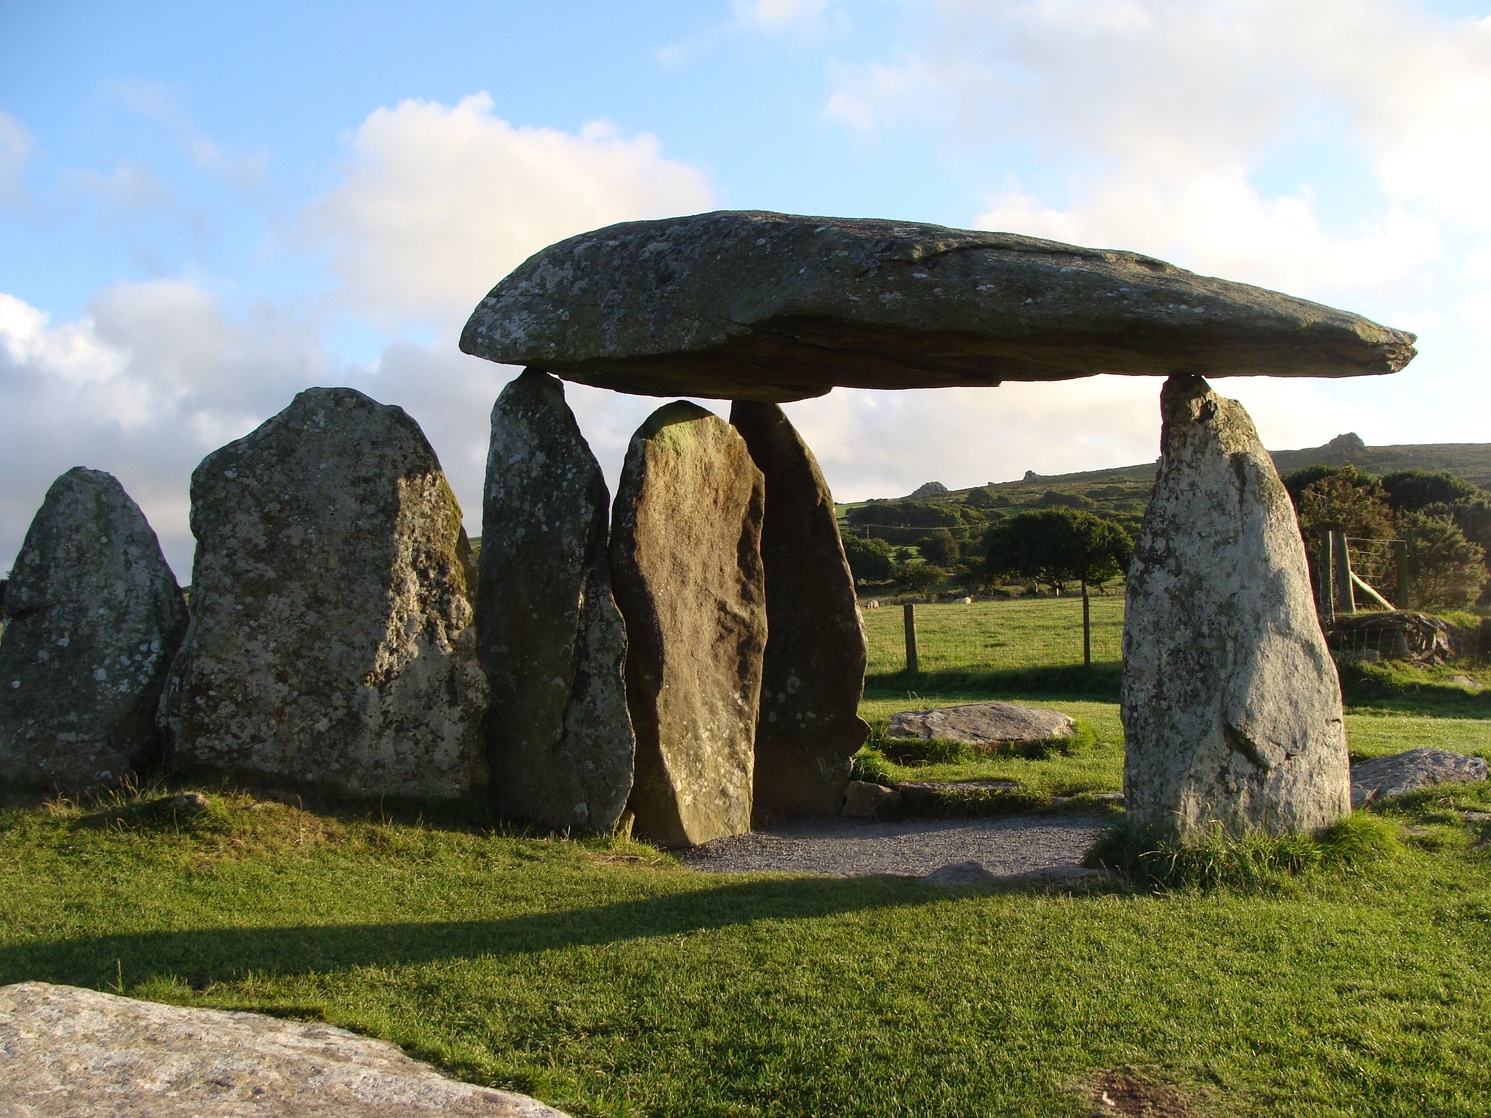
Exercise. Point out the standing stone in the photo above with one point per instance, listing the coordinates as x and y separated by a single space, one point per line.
686 566
550 635
331 640
94 616
813 672
1231 705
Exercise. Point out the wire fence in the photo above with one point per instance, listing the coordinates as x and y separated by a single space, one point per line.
995 635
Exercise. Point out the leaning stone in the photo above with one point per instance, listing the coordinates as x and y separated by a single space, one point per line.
767 306
94 616
813 673
1402 773
686 569
550 635
863 800
1231 707
74 1051
990 726
331 640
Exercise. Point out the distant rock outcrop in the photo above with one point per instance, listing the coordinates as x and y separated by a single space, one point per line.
1231 706
331 640
550 634
687 573
94 616
929 489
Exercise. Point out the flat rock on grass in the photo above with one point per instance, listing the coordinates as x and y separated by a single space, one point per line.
987 725
65 1050
1402 773
772 307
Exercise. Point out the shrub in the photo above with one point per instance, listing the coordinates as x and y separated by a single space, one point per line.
869 559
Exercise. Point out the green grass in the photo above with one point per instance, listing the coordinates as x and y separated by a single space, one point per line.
608 981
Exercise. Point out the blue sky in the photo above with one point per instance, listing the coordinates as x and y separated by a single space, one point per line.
207 207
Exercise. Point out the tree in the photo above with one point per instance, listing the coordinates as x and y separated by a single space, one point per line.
918 578
1344 503
1417 489
1059 545
1444 568
939 548
869 560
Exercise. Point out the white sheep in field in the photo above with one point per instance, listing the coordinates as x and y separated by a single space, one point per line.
872 604
968 601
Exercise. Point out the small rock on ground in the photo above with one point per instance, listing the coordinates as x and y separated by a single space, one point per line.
1402 773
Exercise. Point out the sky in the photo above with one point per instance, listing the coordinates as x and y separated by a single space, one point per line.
205 208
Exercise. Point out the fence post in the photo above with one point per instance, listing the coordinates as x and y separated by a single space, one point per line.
1086 628
1327 589
908 610
1400 552
1343 573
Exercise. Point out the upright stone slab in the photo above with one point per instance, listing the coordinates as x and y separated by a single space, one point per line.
1231 705
550 635
686 567
93 617
813 672
331 640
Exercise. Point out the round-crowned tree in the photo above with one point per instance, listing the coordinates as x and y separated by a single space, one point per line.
1059 545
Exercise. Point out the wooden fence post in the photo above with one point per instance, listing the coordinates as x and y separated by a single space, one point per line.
1086 628
909 614
1344 585
1400 552
1327 589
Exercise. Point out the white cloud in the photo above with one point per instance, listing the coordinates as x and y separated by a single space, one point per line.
776 15
443 201
156 103
16 148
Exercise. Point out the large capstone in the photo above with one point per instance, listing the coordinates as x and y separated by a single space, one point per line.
93 617
813 672
686 566
331 640
550 635
767 306
1231 705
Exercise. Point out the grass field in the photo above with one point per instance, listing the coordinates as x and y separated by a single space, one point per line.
607 980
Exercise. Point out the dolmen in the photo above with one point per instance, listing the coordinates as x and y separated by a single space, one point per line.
724 558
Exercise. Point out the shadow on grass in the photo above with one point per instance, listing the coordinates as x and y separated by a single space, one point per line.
1097 683
1403 691
229 954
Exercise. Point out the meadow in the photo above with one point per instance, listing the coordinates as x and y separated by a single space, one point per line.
604 978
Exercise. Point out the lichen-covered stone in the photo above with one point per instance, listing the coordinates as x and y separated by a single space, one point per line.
331 640
813 671
94 616
983 725
550 635
69 1051
1231 706
686 568
768 306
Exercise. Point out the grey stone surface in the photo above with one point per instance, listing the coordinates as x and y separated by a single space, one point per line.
331 640
864 799
550 635
989 725
69 1051
94 616
813 672
1402 773
766 306
1230 703
686 571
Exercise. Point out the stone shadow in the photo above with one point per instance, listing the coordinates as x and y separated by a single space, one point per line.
202 956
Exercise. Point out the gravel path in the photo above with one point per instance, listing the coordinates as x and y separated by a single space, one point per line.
1003 846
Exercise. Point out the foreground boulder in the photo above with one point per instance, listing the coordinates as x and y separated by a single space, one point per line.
990 726
767 306
74 1051
686 567
813 671
331 640
1401 773
93 617
1230 702
550 635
